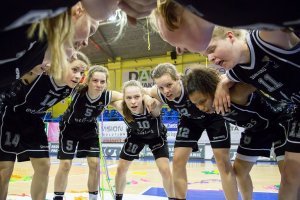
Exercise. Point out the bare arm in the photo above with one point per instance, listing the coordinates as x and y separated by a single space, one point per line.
280 38
116 101
239 93
151 98
157 110
116 96
222 95
153 92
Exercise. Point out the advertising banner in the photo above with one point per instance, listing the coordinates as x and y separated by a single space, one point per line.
53 131
115 131
113 150
141 75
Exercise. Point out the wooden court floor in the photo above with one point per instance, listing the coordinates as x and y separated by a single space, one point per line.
143 175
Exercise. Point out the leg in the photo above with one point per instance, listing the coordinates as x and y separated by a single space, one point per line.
120 180
228 179
281 167
61 177
181 157
39 184
165 171
93 179
6 170
242 170
290 177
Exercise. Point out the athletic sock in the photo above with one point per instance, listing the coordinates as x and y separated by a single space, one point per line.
119 196
58 195
93 195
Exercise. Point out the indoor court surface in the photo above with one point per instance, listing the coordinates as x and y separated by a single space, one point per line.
144 181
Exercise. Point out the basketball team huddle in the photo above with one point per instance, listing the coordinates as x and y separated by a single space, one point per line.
259 91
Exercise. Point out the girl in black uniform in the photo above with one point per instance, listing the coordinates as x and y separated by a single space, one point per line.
270 61
22 129
193 22
262 122
144 128
54 25
169 89
79 129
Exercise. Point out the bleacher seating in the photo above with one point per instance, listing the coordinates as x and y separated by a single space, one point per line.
47 116
113 115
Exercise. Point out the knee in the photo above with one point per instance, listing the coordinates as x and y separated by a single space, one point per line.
224 166
290 176
287 178
178 163
43 166
238 171
122 168
121 171
94 164
65 166
5 174
165 171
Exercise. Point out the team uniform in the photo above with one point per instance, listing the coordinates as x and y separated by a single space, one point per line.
79 128
193 122
19 54
22 128
262 128
145 130
276 72
268 15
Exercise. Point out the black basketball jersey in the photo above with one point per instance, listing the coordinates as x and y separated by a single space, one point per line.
183 105
83 109
257 115
273 70
146 126
255 14
37 97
